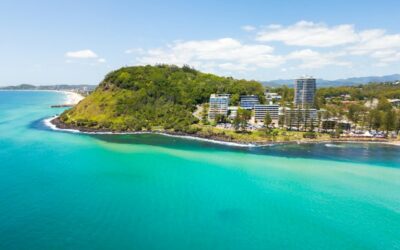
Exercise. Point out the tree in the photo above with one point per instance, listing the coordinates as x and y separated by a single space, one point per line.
236 123
241 119
389 121
319 120
234 99
338 132
219 118
299 118
267 119
306 117
281 121
291 113
204 113
355 111
397 126
375 119
384 104
312 125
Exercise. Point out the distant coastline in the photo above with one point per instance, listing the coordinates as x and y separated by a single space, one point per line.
82 87
72 97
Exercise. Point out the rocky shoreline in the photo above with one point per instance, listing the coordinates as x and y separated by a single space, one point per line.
62 126
218 139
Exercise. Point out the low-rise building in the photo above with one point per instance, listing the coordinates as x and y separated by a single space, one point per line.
334 123
328 124
232 112
248 101
344 125
300 117
395 102
260 111
218 105
272 97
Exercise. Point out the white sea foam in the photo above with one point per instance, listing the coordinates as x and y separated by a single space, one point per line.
234 144
50 125
330 145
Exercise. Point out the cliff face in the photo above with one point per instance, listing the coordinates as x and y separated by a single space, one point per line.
145 97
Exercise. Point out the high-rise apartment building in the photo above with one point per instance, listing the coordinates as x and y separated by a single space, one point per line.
304 92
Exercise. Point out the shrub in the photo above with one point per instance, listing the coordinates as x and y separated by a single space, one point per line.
310 135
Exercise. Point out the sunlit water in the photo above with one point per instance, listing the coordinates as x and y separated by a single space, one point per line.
70 191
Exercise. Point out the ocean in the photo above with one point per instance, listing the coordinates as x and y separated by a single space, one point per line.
61 190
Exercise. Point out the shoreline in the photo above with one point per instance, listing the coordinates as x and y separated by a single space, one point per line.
55 124
72 97
49 122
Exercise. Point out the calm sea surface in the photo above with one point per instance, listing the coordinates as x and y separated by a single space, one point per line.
70 191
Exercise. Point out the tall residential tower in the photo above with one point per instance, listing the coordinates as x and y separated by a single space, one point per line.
304 92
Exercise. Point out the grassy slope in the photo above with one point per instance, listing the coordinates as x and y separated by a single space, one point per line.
98 107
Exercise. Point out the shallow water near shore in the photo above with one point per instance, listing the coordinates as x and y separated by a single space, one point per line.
62 190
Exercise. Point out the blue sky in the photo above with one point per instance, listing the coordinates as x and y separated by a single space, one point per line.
78 42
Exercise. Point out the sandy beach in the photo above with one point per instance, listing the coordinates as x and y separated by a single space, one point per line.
72 98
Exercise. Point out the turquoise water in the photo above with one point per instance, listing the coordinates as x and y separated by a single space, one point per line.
70 191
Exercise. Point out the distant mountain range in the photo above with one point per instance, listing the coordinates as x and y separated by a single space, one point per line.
50 87
274 83
340 82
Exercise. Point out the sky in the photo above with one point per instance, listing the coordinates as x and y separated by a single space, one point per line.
78 42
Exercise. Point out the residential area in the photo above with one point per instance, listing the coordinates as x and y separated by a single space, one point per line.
300 109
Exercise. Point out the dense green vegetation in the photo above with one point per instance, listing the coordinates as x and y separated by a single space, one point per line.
362 92
151 97
352 103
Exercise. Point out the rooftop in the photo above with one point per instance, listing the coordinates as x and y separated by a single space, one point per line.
219 95
306 77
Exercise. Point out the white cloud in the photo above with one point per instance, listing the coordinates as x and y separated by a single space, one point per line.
82 54
386 56
312 34
374 43
313 59
248 28
321 46
101 60
133 51
224 53
379 45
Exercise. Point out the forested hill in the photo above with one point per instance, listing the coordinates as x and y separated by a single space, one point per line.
144 97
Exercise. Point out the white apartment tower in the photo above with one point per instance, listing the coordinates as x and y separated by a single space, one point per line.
304 92
218 105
